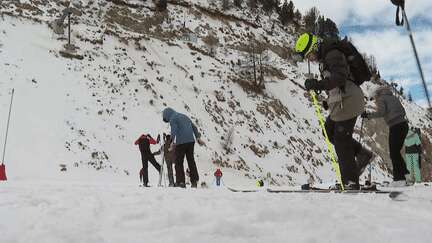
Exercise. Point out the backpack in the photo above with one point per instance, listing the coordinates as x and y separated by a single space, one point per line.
358 66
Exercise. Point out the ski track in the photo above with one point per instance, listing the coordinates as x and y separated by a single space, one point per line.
79 212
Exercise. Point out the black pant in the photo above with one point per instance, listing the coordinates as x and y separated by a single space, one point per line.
169 164
341 136
180 151
145 159
397 137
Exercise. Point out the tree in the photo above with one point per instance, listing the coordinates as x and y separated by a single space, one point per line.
238 3
401 91
268 6
371 62
310 19
327 28
255 64
162 5
410 99
287 12
226 4
297 15
252 4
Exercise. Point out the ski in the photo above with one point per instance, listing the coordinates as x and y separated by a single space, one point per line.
242 190
319 190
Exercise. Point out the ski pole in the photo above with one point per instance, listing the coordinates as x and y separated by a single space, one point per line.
7 126
162 164
361 131
417 57
370 164
330 151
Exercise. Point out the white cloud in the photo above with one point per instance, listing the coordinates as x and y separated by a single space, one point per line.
390 45
366 11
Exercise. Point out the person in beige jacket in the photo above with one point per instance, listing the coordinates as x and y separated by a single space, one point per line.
345 102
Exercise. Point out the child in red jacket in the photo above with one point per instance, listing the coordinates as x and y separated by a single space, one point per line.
144 142
218 176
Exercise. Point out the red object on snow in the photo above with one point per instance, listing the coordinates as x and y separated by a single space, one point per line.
3 172
218 173
148 137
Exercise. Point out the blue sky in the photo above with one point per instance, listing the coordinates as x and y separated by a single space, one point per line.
371 25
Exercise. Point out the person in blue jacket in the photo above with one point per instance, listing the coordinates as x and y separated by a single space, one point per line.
183 135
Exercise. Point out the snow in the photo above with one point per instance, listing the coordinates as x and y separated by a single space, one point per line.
75 112
71 210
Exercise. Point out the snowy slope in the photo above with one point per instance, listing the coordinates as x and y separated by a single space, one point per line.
87 113
116 212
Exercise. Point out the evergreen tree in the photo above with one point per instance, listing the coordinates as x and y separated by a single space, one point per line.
327 28
226 4
290 11
238 3
310 19
287 12
252 4
410 99
162 5
297 15
268 6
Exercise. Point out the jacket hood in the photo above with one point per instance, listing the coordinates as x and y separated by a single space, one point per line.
167 114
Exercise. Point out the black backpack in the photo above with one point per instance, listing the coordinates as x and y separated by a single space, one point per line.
358 66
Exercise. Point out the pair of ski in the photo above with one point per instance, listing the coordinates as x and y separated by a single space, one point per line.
392 194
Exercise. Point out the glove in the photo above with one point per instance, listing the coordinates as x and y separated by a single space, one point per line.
313 84
325 105
201 142
365 115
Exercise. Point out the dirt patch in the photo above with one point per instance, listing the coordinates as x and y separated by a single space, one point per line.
140 24
274 109
221 16
248 86
260 152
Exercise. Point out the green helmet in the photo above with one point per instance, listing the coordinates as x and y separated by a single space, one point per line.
306 43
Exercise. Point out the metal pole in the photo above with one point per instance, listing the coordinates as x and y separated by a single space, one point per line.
417 58
69 29
370 164
361 130
7 126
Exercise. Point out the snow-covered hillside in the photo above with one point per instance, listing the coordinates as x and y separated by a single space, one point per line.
136 61
133 62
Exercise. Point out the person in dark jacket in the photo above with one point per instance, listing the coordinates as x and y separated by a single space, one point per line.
144 142
390 108
169 156
345 102
183 134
